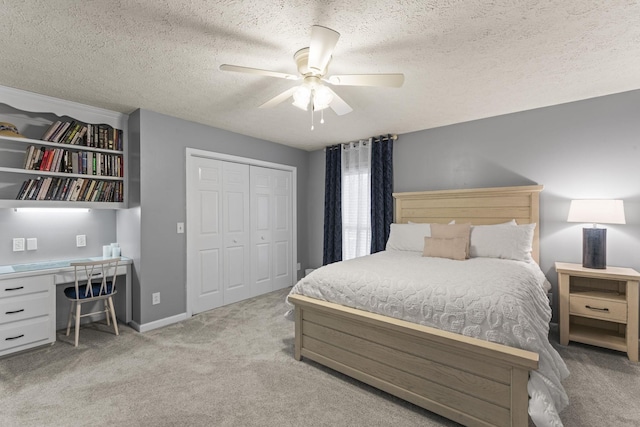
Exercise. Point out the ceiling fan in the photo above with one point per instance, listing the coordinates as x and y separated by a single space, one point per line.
312 63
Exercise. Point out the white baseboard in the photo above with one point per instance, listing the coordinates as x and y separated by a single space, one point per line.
158 323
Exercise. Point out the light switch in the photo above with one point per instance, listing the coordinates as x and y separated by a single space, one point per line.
32 244
180 227
18 244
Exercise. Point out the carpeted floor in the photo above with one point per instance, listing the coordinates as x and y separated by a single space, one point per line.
233 366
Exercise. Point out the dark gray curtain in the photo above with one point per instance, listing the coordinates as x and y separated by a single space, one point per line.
381 191
332 206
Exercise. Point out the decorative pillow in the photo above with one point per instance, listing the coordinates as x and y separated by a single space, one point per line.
453 248
407 237
506 241
450 231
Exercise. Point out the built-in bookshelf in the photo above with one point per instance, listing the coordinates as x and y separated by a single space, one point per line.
70 156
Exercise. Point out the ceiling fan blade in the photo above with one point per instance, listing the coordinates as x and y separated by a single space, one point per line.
323 41
338 105
388 80
248 70
279 98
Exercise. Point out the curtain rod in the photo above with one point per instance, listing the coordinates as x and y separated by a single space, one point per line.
392 137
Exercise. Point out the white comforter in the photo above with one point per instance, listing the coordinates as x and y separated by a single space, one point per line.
492 299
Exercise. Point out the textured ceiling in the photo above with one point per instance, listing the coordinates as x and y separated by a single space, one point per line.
462 60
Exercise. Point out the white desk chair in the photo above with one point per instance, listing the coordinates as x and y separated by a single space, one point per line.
94 281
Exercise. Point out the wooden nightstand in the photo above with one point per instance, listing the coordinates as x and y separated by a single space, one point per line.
599 307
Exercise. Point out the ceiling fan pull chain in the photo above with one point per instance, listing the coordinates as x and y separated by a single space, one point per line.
322 116
312 116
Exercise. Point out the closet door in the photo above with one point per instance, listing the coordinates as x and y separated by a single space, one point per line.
236 232
282 233
271 239
205 226
261 220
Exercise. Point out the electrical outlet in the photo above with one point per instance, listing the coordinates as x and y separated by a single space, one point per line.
180 227
32 244
155 298
18 244
298 266
81 240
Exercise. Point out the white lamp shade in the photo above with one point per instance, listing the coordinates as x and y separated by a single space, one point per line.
597 211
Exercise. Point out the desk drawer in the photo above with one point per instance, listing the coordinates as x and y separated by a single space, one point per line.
598 308
25 307
24 285
18 334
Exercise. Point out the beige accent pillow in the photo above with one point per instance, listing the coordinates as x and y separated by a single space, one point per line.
439 247
450 231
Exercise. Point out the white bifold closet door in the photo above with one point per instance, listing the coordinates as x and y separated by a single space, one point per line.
236 232
271 229
242 232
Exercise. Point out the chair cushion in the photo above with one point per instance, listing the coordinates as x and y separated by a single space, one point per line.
70 292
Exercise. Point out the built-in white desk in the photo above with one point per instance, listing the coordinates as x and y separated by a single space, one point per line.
28 301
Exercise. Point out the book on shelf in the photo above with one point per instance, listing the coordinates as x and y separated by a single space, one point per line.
64 135
72 134
23 188
46 182
53 189
52 129
60 132
89 191
78 138
73 194
33 189
37 158
28 156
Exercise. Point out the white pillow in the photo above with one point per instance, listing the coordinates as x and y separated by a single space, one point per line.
506 241
408 237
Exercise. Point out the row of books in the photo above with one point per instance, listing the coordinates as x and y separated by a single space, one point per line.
81 162
88 135
71 189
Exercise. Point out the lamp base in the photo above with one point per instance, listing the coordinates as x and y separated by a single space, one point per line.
594 248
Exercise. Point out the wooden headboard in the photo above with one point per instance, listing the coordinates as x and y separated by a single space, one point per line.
475 205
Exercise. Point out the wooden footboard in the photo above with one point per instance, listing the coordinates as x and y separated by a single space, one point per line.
470 381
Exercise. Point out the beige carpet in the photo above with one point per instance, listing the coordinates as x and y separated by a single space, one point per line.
233 366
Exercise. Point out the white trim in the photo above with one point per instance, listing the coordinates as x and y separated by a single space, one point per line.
146 327
194 152
37 103
236 159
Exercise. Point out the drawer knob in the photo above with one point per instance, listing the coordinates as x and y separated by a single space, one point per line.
606 310
13 338
14 311
14 289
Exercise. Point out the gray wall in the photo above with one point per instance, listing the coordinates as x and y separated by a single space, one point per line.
162 144
56 234
585 149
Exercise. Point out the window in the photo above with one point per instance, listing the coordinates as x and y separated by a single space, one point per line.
356 200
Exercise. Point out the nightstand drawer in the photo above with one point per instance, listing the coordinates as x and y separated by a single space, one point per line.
598 308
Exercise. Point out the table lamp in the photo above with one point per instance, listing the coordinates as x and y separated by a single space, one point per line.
594 240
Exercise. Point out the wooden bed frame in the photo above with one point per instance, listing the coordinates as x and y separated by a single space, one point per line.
470 381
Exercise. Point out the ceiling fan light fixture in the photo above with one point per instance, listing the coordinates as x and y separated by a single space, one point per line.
302 97
322 97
